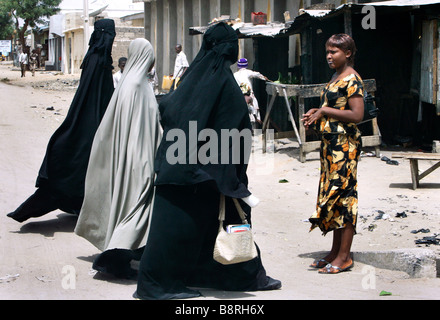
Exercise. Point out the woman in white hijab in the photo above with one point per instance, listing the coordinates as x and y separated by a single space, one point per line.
119 188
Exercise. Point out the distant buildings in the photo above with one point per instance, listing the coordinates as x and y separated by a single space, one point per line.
66 43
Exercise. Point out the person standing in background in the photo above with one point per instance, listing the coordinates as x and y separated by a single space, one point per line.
253 115
181 63
243 77
117 76
153 80
33 61
23 60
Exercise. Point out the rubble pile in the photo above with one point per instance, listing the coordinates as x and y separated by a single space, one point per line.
57 84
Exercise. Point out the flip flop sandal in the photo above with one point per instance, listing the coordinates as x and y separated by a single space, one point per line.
318 264
327 269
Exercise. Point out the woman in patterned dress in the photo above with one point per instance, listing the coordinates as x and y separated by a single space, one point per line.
342 106
33 61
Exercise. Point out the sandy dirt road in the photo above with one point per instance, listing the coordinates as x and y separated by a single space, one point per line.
43 259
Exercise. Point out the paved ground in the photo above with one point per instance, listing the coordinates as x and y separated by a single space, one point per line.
43 259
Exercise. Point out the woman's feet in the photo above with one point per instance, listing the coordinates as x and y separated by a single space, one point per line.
339 259
331 264
334 269
321 263
318 264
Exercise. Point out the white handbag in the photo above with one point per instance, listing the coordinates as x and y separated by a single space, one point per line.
233 247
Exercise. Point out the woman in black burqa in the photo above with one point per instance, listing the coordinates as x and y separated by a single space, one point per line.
60 181
184 226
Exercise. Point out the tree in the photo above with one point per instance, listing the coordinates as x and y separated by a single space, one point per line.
6 26
31 12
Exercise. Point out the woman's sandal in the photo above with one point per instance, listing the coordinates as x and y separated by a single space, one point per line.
331 269
319 263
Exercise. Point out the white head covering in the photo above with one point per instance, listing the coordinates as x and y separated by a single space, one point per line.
140 58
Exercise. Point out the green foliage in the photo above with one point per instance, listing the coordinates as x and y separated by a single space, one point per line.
290 79
6 26
31 11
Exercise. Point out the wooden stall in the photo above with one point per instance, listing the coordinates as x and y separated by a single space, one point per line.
302 92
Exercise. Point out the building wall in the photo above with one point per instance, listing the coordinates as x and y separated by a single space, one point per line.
73 43
78 51
124 35
167 23
74 40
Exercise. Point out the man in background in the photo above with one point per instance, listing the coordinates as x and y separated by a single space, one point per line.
117 76
23 60
181 63
243 77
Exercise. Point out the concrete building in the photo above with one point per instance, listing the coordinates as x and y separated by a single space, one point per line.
67 44
167 23
75 47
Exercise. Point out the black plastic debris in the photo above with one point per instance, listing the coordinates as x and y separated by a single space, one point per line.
389 161
421 231
428 240
401 214
381 215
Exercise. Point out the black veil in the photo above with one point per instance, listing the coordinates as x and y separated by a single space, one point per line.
65 164
61 178
208 96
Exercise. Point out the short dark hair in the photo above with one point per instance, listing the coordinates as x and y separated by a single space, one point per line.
122 59
345 43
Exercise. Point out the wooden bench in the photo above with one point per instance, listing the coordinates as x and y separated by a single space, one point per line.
414 158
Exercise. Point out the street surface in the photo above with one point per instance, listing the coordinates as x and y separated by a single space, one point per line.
43 259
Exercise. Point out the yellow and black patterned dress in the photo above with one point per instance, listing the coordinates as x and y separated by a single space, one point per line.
340 149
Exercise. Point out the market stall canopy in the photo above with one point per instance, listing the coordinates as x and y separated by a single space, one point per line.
276 29
393 3
402 3
247 30
297 23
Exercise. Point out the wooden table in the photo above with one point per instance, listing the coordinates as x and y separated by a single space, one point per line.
414 158
304 91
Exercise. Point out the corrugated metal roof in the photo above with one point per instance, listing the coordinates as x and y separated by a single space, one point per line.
272 29
402 3
314 13
319 14
392 3
248 29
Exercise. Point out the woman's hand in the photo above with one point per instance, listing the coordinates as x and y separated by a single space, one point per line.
311 116
353 114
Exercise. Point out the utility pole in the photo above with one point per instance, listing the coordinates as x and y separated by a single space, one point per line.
86 25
